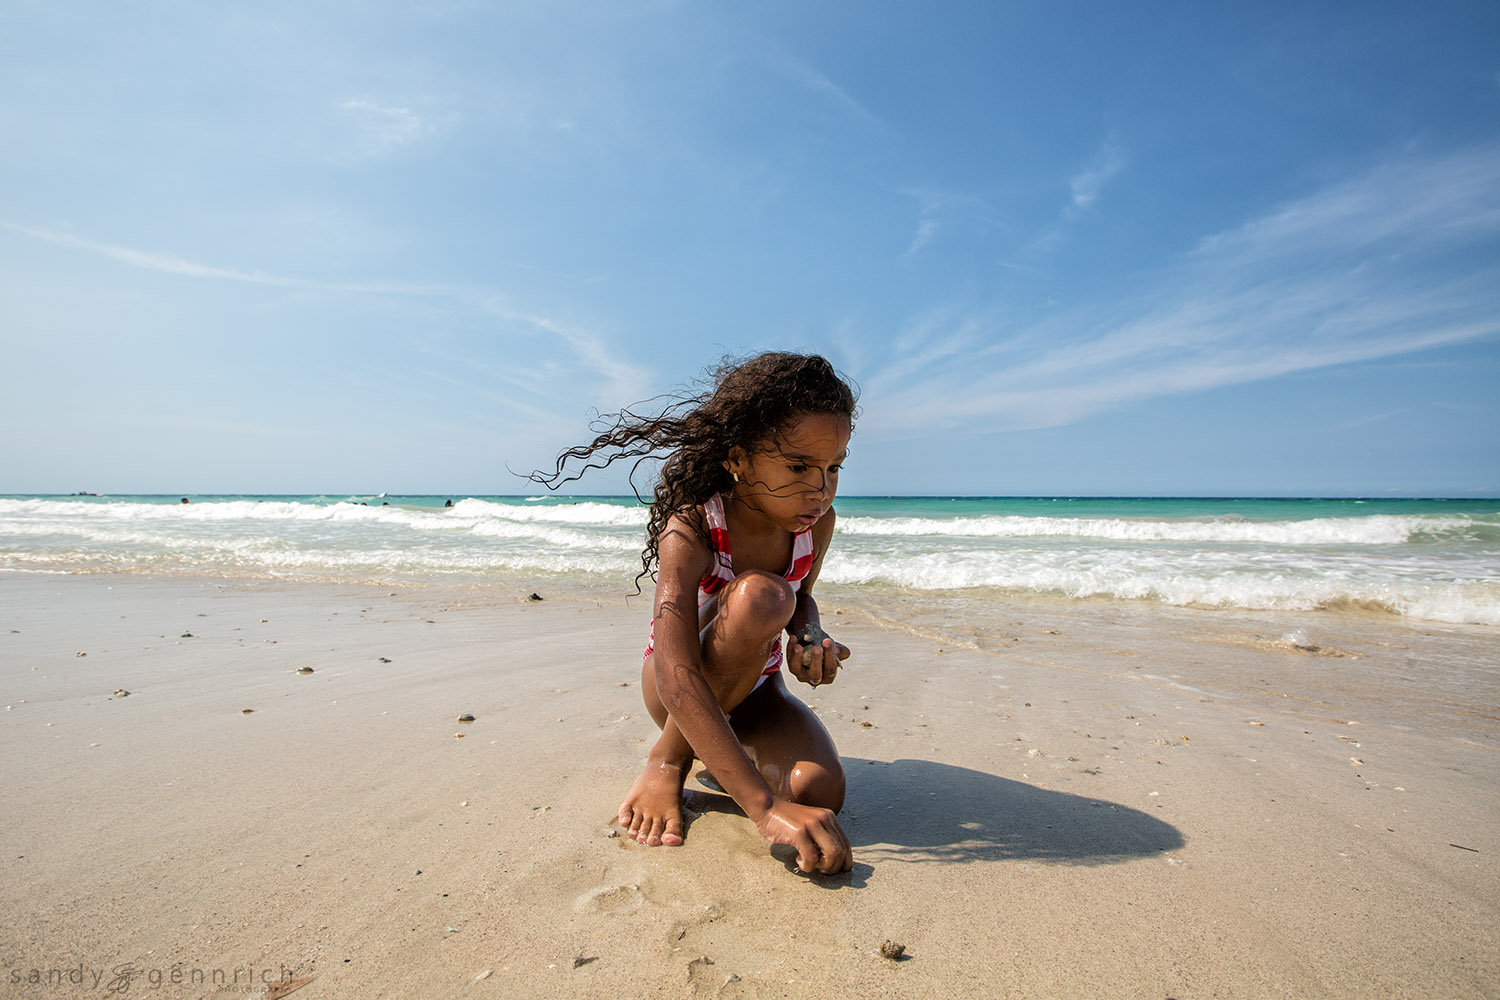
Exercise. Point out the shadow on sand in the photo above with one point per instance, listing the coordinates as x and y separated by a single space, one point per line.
920 810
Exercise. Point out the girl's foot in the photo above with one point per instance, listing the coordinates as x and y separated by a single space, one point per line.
652 813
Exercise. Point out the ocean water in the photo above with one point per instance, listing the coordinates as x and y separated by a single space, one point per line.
1433 560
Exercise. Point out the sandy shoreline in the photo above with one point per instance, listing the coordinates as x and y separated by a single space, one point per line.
1065 799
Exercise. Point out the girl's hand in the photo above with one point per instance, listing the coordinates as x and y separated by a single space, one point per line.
821 843
816 663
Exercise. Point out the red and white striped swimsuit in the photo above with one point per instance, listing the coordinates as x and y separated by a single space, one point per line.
721 573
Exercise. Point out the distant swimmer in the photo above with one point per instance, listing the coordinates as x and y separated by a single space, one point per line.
448 504
184 499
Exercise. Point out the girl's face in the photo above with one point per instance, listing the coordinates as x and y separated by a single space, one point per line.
791 478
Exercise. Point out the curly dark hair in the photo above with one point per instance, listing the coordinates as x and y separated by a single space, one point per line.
745 403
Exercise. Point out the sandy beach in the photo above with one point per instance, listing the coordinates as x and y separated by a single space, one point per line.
1071 799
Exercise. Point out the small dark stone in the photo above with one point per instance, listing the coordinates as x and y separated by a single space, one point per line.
466 717
812 635
535 597
579 961
892 950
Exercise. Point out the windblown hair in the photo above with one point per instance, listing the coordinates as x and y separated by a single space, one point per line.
745 404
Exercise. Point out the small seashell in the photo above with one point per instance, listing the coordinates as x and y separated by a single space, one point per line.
534 597
385 659
186 635
891 950
466 717
80 654
121 693
247 711
304 670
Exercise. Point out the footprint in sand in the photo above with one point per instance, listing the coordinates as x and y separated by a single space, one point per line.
709 979
613 900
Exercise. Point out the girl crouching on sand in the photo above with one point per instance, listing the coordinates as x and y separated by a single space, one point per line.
740 522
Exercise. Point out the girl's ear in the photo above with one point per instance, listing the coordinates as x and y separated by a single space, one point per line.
737 461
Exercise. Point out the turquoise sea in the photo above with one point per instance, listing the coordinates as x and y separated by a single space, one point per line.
1435 560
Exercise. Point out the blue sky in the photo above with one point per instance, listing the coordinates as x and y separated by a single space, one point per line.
1064 248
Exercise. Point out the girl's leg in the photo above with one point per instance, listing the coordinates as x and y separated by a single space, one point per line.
790 746
752 611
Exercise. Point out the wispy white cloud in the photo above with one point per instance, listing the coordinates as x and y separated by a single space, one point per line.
164 263
1088 182
385 125
1084 189
927 228
593 352
829 93
937 209
380 127
1402 258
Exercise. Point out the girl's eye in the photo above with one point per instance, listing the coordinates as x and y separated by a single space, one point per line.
799 469
835 469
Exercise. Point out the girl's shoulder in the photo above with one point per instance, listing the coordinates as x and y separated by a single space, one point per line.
687 534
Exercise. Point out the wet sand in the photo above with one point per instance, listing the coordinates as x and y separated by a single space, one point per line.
1046 799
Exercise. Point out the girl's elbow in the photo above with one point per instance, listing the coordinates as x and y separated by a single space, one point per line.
671 679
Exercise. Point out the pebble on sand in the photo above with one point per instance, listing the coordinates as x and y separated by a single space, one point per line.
466 717
891 950
304 670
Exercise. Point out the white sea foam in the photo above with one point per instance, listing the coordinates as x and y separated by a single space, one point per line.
1372 530
1134 576
582 512
1436 566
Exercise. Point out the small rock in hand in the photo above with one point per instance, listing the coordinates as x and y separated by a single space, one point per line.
812 635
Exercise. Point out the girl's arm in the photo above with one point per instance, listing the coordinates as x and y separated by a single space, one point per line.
679 671
826 656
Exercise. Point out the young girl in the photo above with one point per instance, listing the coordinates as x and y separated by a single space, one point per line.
740 522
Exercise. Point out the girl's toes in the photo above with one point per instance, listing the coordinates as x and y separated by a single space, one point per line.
672 835
653 837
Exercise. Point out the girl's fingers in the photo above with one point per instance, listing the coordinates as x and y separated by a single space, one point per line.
821 666
825 660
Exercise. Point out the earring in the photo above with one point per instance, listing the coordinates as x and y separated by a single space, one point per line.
736 476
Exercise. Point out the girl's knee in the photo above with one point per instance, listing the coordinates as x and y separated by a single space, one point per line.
819 784
763 597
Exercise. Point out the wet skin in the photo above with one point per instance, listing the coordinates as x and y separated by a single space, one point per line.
764 747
